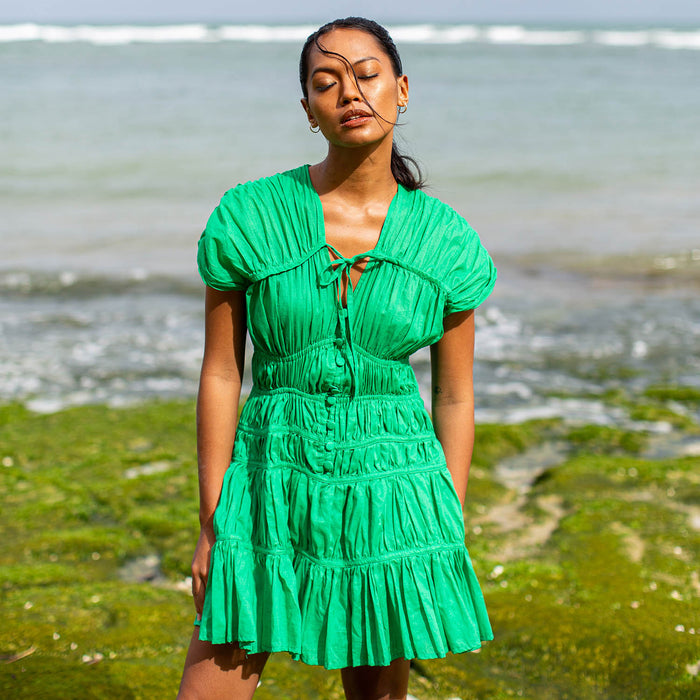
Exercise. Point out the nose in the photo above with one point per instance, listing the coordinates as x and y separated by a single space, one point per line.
350 91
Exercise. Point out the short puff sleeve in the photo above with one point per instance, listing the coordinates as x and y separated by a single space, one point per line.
472 274
219 256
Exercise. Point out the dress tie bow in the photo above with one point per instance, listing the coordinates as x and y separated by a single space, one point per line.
334 273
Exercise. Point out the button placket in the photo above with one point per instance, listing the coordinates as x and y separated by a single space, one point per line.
330 403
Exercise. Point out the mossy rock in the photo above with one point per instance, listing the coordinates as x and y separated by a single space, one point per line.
591 612
657 413
495 442
600 439
673 392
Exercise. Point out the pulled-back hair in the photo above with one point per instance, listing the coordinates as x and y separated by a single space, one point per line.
404 168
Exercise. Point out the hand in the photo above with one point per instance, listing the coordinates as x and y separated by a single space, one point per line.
200 566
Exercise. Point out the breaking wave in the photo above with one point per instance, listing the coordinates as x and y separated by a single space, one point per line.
105 35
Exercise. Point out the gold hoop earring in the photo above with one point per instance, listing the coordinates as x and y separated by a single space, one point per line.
316 130
402 109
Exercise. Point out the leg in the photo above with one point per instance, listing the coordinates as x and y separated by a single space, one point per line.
377 682
217 671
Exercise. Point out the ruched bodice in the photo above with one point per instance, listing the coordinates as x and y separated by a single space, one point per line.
325 368
339 534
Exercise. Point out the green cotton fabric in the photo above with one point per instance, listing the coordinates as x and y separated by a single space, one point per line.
339 534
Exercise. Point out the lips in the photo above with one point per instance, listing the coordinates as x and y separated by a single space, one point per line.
354 115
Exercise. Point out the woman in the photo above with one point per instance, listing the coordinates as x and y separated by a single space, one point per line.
335 532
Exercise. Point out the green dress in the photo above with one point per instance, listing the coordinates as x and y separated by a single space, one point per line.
339 533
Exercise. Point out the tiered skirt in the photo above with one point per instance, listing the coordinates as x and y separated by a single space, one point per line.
340 536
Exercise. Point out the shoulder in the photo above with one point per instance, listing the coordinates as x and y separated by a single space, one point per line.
430 226
260 225
441 243
263 191
270 211
443 218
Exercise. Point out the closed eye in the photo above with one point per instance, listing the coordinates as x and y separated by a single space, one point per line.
367 77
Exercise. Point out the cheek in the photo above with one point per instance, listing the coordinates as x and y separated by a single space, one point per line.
390 92
317 106
385 98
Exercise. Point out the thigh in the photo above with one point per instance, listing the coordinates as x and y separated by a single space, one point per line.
377 682
214 671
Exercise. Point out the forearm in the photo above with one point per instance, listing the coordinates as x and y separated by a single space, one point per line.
452 359
454 428
217 417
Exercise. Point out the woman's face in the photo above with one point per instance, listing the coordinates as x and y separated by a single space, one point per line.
334 100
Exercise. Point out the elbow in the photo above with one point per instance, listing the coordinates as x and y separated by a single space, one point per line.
453 396
217 380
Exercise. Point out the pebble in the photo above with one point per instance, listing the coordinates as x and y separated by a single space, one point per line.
148 469
497 571
141 569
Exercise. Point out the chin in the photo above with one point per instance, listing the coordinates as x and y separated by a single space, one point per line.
357 139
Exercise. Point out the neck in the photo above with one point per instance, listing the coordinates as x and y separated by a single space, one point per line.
359 174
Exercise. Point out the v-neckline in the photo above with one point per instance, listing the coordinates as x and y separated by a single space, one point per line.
322 241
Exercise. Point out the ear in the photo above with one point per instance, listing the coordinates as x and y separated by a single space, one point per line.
309 116
402 87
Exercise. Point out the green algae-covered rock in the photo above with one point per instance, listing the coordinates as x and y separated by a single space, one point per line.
589 570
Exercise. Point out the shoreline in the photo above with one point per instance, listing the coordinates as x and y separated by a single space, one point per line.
556 336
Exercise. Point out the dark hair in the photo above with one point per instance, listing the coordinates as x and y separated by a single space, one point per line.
404 168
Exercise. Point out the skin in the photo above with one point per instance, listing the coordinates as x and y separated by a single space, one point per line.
452 360
355 185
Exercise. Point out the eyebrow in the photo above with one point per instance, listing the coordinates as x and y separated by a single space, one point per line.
326 69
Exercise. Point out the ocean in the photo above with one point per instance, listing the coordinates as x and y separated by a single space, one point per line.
573 151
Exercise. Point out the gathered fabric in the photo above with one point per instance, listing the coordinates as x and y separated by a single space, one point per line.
334 273
339 534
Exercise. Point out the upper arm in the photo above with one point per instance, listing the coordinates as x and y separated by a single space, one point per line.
452 359
225 333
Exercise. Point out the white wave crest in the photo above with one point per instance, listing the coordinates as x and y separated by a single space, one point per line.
407 34
430 34
262 33
19 32
667 39
501 34
104 35
661 38
619 38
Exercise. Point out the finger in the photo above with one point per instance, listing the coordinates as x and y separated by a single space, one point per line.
198 593
196 585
